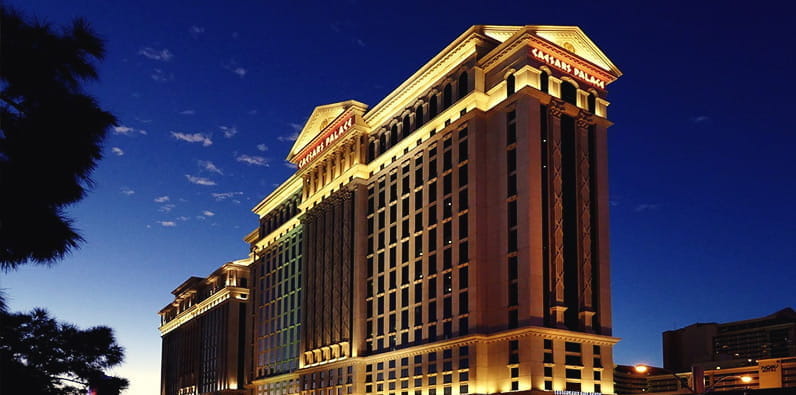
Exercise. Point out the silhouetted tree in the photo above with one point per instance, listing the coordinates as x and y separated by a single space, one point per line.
39 355
51 135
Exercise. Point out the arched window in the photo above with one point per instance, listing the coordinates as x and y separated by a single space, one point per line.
447 96
463 85
419 116
544 82
407 125
382 143
372 150
432 107
393 135
592 102
510 85
569 93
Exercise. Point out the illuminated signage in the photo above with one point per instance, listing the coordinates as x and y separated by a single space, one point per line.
568 68
326 140
567 392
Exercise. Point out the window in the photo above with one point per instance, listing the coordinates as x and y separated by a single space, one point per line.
544 82
463 86
510 85
569 93
447 96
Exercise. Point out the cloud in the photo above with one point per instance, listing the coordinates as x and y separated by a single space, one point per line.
290 165
252 160
646 207
126 191
701 119
210 166
182 218
208 213
196 31
187 112
127 131
291 137
252 112
235 68
193 138
225 195
166 208
161 199
161 76
118 151
262 147
168 224
360 43
200 180
229 131
156 54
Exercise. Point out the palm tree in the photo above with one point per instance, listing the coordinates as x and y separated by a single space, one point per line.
51 135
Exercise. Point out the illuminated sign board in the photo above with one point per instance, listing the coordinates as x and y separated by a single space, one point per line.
568 67
326 140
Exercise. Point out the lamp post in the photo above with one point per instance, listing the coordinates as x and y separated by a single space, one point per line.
744 379
644 369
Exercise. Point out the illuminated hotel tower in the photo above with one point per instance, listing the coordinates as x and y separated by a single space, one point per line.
451 239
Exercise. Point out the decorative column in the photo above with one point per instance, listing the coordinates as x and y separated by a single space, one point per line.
556 214
586 313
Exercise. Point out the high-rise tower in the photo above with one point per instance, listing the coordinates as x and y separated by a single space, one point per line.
451 239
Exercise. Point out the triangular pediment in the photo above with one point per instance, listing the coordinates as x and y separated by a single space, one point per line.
322 117
572 39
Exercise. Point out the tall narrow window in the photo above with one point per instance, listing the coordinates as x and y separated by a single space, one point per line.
569 93
463 85
510 85
447 96
544 82
432 107
407 125
419 121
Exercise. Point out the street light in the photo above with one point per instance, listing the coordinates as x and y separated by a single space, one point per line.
744 379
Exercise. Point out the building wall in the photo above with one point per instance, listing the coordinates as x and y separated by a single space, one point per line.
453 243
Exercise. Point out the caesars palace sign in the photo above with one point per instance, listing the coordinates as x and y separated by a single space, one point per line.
325 141
566 67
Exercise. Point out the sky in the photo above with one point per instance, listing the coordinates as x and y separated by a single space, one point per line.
210 95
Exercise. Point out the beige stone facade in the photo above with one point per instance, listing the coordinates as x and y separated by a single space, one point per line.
451 239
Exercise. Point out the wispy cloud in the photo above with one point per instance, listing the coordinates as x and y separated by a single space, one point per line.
262 147
252 112
208 213
235 68
193 138
646 207
168 224
196 31
118 151
156 54
290 165
252 160
166 208
701 119
161 199
291 137
127 131
360 43
200 180
161 76
182 218
225 195
210 166
187 112
126 191
229 131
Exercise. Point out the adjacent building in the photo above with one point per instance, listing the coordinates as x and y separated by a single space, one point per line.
450 239
204 334
732 343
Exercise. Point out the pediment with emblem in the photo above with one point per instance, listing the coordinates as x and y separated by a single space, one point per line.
320 119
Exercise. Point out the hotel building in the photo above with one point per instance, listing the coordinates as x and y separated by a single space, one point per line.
204 338
452 238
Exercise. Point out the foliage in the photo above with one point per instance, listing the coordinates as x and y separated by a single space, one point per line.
39 355
50 136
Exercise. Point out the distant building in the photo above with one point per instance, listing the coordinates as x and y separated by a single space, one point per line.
204 334
730 344
769 376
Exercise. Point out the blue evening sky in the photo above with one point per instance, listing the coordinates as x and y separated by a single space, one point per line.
209 95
